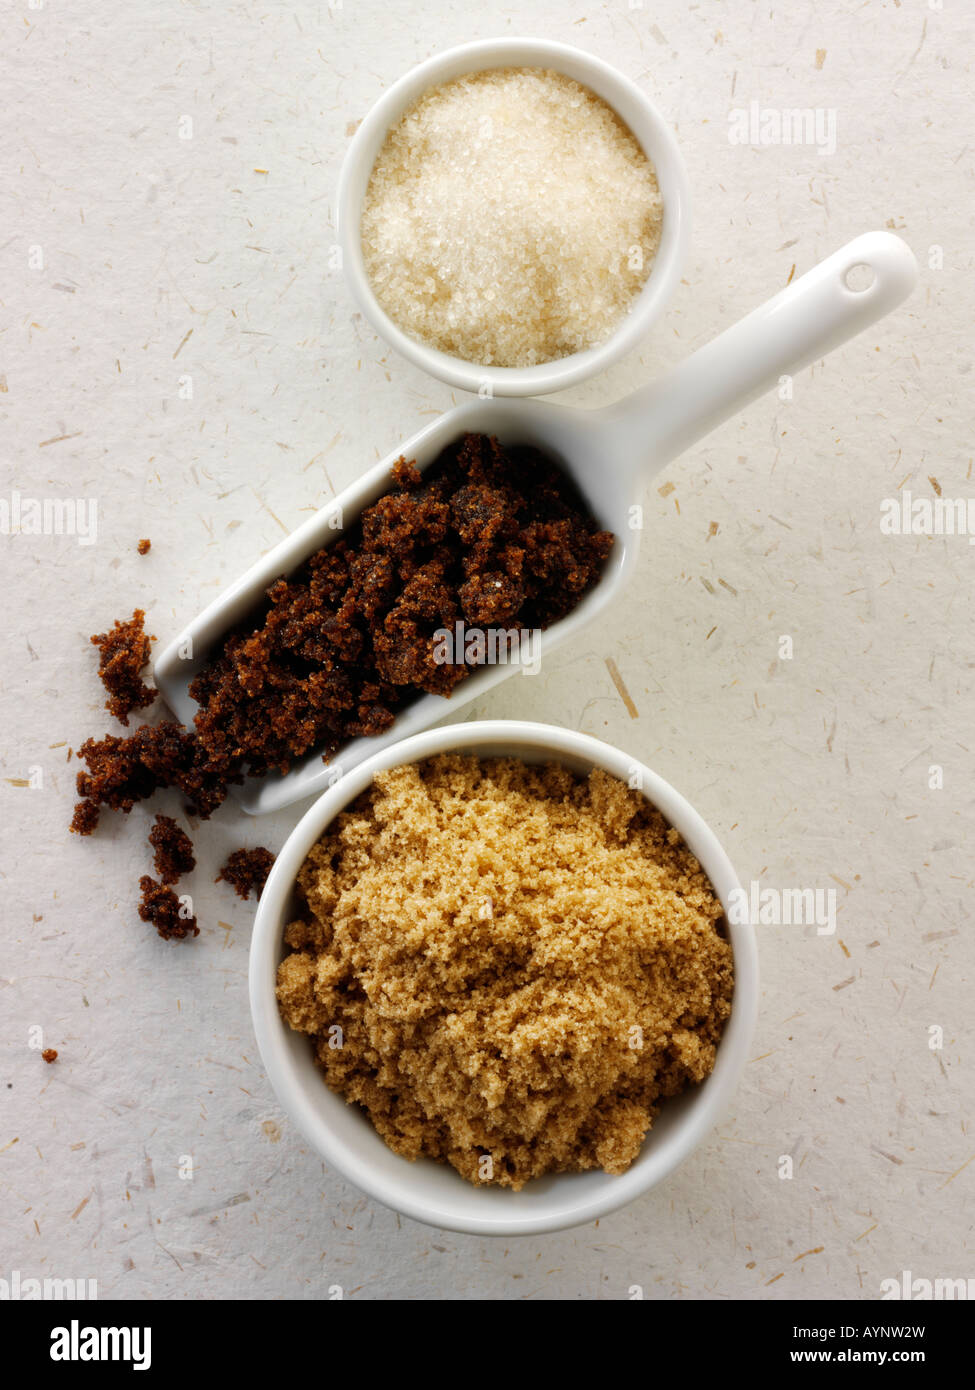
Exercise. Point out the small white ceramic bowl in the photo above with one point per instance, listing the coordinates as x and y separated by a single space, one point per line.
433 1192
633 108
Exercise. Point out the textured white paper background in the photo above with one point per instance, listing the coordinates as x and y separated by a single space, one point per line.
166 258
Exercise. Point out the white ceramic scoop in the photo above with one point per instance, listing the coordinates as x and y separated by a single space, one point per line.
611 455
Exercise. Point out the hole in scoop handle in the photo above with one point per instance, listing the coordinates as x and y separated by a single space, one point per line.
809 318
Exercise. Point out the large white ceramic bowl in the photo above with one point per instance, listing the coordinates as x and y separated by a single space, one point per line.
433 1192
634 109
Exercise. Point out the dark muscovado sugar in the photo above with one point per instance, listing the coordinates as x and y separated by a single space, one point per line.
487 536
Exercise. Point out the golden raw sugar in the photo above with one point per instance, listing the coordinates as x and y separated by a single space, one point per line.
523 963
511 218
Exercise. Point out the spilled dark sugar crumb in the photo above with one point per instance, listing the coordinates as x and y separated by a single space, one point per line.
123 653
173 849
162 909
246 871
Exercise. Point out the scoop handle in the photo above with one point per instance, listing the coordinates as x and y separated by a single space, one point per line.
803 322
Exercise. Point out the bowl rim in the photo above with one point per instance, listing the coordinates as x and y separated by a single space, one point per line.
690 1128
655 137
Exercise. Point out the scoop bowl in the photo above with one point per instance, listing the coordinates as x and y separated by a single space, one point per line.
610 454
